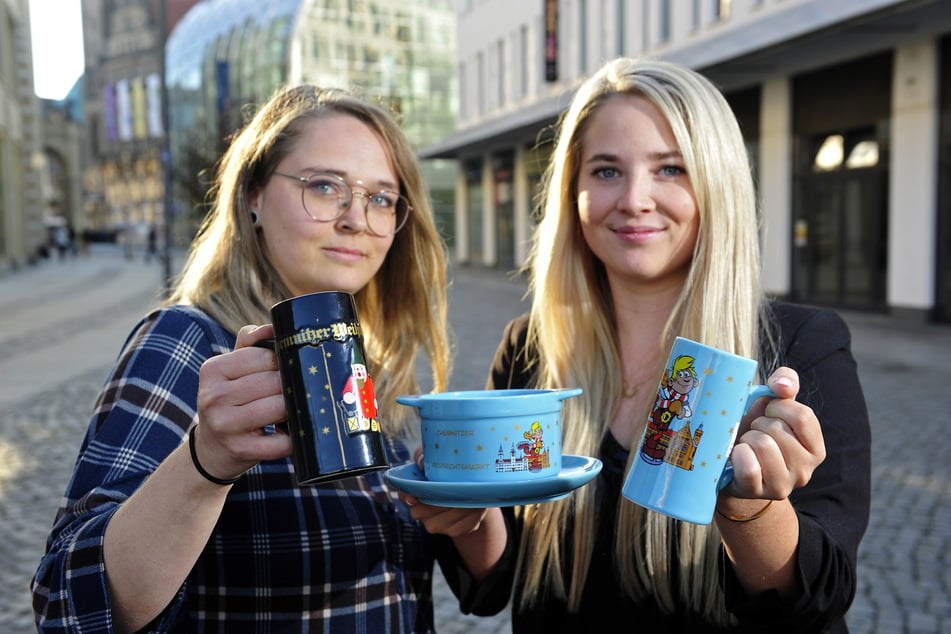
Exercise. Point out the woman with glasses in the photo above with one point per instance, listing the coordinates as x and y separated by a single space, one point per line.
161 530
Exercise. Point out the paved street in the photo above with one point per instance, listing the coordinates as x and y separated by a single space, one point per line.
61 325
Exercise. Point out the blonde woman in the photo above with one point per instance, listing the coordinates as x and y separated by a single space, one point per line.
154 537
649 230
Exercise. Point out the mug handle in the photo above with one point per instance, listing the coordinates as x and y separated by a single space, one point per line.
757 392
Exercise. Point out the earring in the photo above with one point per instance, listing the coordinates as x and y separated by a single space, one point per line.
255 218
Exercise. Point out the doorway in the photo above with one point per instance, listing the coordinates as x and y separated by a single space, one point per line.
840 228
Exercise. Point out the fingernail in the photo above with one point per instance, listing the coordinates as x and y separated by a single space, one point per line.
784 381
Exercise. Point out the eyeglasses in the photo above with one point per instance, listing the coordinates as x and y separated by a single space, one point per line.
327 197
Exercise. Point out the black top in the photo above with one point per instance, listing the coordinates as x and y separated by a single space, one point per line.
833 508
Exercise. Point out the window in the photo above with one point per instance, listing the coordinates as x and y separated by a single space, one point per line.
463 97
480 82
583 36
852 150
663 21
500 65
619 21
523 57
722 9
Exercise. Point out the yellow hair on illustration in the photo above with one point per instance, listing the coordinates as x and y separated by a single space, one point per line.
683 363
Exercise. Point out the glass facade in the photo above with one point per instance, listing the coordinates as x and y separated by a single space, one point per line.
228 55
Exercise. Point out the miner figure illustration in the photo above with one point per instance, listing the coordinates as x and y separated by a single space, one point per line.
671 402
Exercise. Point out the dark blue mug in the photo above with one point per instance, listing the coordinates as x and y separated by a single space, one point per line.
332 412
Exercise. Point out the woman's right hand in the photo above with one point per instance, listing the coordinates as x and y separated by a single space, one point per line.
239 395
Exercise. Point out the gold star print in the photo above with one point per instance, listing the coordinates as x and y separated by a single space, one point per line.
329 355
478 447
325 430
703 413
518 427
722 412
323 411
704 464
719 456
729 379
708 371
731 429
312 369
327 386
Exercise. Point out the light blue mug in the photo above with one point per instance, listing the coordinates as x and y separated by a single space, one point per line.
682 459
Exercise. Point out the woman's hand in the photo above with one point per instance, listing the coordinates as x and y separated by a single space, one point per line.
479 534
779 445
453 522
239 394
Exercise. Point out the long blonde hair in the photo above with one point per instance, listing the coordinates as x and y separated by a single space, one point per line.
573 329
403 309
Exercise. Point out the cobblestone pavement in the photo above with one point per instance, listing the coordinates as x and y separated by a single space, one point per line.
61 325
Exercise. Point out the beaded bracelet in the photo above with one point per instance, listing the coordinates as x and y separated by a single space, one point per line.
201 469
755 516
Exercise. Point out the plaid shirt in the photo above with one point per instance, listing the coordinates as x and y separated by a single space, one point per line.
339 557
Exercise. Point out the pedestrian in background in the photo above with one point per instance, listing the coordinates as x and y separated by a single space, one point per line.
649 231
62 240
144 539
151 248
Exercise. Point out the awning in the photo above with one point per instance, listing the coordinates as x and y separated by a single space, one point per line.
524 122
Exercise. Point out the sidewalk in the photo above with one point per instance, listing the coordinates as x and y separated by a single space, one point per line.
61 325
88 299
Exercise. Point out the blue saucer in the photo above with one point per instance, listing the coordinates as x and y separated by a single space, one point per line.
576 471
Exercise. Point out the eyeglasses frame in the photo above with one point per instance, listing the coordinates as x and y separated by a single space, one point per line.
343 208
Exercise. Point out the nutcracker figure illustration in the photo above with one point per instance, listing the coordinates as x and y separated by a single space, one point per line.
671 402
358 401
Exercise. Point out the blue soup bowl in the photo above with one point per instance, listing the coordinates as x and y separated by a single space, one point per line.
490 435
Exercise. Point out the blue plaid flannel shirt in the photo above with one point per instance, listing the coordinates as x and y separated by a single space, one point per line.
339 557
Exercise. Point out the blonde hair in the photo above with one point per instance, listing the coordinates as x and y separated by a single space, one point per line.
402 309
573 329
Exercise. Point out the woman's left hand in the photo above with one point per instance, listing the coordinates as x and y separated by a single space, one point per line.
453 522
779 445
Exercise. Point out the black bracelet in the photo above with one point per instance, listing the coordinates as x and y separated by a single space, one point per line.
201 469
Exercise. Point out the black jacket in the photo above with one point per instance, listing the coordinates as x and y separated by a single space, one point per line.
833 509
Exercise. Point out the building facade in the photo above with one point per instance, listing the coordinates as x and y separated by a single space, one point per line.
845 106
22 205
123 177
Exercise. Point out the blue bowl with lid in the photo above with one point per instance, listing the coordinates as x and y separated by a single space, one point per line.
491 435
